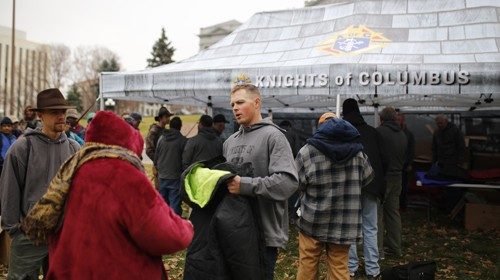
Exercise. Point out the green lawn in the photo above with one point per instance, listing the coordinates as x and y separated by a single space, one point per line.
148 121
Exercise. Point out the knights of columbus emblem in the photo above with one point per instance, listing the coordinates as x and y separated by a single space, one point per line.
353 40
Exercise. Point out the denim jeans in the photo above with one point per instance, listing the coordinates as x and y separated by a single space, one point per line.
169 190
26 259
370 248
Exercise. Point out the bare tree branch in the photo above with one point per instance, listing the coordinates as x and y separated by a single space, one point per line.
59 65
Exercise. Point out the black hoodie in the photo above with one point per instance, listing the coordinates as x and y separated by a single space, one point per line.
204 146
372 147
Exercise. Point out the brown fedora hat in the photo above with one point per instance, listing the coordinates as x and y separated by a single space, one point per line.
51 98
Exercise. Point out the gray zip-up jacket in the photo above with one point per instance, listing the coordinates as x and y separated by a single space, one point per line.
21 188
274 179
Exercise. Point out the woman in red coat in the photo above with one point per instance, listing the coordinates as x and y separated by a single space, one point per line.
101 216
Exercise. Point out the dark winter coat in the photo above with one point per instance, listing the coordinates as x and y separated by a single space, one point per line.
394 147
227 243
372 147
448 145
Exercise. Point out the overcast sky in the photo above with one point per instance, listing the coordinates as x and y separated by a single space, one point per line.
127 27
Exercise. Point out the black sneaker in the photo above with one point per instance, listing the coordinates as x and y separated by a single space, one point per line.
378 276
391 254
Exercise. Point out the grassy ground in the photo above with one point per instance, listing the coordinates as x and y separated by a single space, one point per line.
459 254
188 121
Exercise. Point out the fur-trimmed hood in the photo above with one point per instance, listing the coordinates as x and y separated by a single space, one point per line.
108 128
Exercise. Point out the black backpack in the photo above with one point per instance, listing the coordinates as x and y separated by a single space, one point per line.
411 271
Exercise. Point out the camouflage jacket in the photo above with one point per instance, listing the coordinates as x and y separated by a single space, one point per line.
155 131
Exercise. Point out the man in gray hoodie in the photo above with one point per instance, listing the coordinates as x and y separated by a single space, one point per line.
29 166
263 145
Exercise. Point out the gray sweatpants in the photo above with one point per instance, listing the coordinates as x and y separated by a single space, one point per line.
26 259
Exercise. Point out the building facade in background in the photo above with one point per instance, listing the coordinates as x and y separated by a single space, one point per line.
31 72
212 34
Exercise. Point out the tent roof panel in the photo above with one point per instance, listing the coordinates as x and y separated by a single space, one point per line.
365 36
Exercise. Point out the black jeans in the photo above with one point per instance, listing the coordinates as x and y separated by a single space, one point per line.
271 255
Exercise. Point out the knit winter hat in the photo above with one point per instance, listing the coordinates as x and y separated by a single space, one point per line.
326 116
6 120
350 105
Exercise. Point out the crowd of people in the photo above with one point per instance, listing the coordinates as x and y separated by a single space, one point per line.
76 201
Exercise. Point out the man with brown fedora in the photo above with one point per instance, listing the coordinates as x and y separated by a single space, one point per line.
29 166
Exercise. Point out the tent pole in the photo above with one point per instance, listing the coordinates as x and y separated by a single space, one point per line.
376 118
101 99
338 106
210 109
270 114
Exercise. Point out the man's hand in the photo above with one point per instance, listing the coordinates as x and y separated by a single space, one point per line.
234 185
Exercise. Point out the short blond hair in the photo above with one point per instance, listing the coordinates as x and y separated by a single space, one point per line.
249 88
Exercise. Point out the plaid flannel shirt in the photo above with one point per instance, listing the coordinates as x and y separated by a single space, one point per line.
331 195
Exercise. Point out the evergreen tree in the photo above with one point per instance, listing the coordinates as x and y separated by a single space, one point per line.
74 97
109 65
162 51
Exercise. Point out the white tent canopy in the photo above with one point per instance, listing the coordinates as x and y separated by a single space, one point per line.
418 54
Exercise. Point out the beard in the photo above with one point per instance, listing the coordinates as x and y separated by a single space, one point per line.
59 127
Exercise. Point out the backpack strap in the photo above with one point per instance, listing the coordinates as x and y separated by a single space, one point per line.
74 146
22 187
28 144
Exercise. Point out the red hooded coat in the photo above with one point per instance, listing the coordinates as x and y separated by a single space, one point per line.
116 225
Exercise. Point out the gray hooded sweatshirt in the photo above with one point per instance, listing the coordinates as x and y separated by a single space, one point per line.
274 179
21 188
